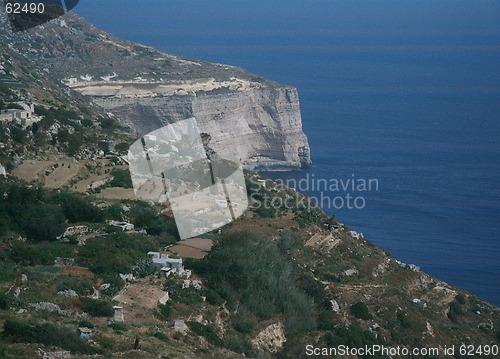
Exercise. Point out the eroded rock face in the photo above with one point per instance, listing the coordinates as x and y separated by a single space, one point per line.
271 339
259 125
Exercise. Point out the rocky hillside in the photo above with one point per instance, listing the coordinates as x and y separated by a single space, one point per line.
146 88
272 284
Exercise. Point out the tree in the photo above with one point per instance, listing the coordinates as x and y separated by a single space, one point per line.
42 222
360 310
97 308
121 178
78 209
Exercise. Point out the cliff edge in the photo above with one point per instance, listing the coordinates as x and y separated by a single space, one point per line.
146 88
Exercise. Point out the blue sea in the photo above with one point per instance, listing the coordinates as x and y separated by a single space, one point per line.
404 92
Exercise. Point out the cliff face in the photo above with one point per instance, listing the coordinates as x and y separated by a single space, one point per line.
256 119
261 126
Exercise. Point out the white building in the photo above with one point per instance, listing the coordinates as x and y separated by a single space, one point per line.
25 117
124 226
166 264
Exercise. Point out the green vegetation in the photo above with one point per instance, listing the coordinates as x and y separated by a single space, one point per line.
403 319
118 327
310 216
205 331
77 208
5 301
48 334
178 294
455 309
97 308
360 310
81 285
43 253
121 178
353 336
164 311
252 272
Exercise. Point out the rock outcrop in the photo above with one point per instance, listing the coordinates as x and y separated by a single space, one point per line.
261 125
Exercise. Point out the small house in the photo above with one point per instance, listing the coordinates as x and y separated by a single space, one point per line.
166 264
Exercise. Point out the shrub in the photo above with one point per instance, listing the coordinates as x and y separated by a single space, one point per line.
460 299
213 297
78 209
119 327
307 217
121 178
244 321
352 336
456 307
48 334
239 344
360 310
81 285
161 336
188 296
165 311
97 308
5 301
205 331
86 323
403 319
250 271
42 222
266 211
32 253
326 320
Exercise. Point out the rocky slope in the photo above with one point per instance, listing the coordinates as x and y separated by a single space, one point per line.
146 88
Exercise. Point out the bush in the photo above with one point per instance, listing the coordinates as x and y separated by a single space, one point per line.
244 321
360 310
205 331
121 178
354 337
5 301
78 209
188 296
119 327
34 253
266 211
403 319
42 222
239 344
165 311
456 307
97 308
250 271
307 217
161 336
48 334
161 226
81 285
213 297
460 299
326 320
86 323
